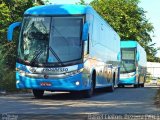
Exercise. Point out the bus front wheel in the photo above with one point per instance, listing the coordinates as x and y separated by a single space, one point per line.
89 93
136 85
38 93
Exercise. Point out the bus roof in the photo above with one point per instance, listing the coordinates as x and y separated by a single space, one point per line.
129 44
57 10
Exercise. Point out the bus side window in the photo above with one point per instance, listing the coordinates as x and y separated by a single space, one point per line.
86 46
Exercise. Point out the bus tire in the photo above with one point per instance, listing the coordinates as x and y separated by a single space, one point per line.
136 85
142 85
111 88
120 86
89 93
38 93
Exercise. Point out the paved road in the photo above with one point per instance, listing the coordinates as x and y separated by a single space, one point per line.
123 100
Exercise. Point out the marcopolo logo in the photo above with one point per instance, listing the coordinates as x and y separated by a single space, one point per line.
55 69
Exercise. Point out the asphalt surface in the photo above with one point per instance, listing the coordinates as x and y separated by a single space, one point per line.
122 101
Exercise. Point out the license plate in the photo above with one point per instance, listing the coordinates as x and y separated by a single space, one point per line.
45 84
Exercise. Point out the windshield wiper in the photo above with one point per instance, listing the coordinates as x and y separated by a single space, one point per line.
125 68
55 55
35 57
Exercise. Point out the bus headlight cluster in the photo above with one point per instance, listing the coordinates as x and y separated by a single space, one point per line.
22 73
74 72
131 74
77 83
17 82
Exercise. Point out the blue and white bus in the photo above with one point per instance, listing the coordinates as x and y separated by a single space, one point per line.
133 64
65 48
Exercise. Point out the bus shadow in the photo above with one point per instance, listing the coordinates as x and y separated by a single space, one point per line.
71 96
146 86
80 96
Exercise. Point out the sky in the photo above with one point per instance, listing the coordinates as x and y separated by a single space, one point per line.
152 7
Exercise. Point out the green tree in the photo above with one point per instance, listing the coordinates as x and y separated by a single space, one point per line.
15 10
81 2
10 11
129 20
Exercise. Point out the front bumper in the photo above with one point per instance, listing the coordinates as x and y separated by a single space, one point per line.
128 81
56 84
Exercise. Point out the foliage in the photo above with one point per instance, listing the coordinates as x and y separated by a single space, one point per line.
82 2
129 20
41 2
10 11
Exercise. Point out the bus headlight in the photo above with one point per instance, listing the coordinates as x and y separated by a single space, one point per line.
132 74
77 83
74 72
17 82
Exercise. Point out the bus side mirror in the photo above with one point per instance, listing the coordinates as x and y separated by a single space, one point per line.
137 56
85 32
119 56
11 29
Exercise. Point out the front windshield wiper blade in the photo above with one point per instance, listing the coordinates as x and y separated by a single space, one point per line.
55 55
36 56
124 66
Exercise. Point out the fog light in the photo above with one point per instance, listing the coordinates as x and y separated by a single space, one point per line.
77 83
17 82
22 74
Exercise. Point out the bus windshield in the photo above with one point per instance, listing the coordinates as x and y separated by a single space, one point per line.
128 63
50 40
